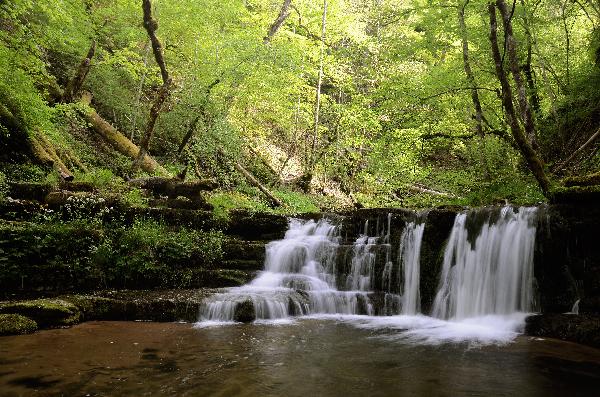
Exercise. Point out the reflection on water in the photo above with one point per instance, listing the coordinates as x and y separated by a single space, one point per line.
307 358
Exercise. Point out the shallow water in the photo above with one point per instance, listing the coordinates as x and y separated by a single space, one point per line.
309 357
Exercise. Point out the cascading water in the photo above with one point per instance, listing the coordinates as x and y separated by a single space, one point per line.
299 278
410 256
484 293
492 273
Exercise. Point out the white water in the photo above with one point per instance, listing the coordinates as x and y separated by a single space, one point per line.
410 257
299 278
485 291
491 275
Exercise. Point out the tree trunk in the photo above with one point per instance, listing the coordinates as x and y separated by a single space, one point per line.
562 164
474 93
45 153
41 149
151 25
283 14
468 72
203 114
118 140
188 135
254 182
513 60
527 69
311 164
73 88
533 161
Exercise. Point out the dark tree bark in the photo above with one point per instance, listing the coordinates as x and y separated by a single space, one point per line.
283 14
513 60
188 136
533 161
203 114
312 157
534 98
474 93
151 25
469 71
73 88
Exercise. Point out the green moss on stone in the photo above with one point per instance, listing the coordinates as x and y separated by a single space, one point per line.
15 324
46 312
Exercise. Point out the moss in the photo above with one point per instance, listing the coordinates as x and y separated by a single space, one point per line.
244 312
93 307
15 324
46 312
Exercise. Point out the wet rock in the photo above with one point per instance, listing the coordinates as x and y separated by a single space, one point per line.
244 312
46 313
437 230
567 257
15 324
584 329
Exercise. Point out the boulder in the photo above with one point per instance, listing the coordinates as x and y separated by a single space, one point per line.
244 312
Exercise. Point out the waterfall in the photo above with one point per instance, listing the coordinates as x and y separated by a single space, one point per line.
487 270
492 272
410 257
299 279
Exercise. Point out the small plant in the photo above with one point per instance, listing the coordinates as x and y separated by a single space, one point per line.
134 197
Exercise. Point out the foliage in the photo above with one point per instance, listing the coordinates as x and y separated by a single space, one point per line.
396 106
77 256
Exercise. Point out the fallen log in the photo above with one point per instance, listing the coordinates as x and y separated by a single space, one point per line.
45 153
117 140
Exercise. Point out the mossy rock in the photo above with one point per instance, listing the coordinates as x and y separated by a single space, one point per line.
46 312
96 307
15 324
244 312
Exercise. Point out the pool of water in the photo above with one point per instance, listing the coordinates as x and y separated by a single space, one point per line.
309 357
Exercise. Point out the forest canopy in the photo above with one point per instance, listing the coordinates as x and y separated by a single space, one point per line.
353 102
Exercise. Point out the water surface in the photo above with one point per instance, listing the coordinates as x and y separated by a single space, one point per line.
310 357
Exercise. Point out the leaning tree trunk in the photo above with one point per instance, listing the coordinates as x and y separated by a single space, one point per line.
73 88
587 143
254 182
283 14
513 60
117 140
473 84
151 25
468 71
527 68
533 161
41 149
